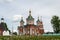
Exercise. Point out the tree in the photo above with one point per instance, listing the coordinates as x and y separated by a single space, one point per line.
55 23
14 33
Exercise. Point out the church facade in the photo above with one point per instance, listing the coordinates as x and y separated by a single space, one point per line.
30 28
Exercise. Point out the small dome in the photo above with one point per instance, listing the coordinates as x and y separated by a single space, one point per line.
22 20
38 20
30 18
2 18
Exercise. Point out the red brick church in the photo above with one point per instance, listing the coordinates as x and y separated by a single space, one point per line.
30 28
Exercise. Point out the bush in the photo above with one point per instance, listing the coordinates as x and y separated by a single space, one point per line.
29 37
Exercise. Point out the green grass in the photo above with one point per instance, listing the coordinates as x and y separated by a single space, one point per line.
30 37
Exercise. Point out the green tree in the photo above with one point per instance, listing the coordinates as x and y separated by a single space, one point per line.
55 23
15 33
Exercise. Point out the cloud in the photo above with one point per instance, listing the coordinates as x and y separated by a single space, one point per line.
17 17
14 30
9 0
6 1
48 31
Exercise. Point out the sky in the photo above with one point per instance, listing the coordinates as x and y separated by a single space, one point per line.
13 10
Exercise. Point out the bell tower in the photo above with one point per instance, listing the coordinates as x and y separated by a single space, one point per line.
38 22
40 26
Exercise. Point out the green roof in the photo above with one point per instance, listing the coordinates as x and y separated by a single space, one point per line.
38 20
30 18
22 20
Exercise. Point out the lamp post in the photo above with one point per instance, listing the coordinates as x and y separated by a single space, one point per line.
12 32
12 29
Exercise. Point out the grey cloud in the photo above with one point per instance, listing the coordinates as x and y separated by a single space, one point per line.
45 8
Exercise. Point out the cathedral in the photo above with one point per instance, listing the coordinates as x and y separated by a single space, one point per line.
30 28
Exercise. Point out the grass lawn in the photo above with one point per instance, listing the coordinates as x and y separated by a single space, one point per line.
56 37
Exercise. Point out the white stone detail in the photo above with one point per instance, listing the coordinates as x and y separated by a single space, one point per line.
6 33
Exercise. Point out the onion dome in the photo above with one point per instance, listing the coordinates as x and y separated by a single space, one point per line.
38 20
2 18
30 17
22 20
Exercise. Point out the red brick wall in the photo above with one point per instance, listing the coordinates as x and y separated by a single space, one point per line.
1 32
